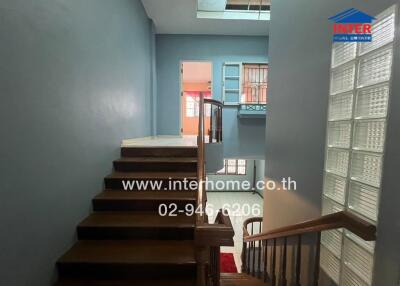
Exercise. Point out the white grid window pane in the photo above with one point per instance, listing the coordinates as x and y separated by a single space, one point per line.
330 264
231 166
343 52
372 102
375 67
342 78
382 32
332 240
369 135
359 260
366 168
241 167
363 200
337 162
340 106
350 278
335 187
367 245
330 207
339 134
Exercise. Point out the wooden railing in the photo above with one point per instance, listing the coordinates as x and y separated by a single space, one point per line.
215 131
255 256
209 237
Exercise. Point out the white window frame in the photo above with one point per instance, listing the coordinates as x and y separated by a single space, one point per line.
239 77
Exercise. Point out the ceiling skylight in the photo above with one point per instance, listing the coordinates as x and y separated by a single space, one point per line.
234 9
247 5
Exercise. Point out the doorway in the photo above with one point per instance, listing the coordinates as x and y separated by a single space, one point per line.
196 78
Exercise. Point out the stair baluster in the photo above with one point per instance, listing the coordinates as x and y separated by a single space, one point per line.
266 277
259 252
317 257
298 261
283 281
253 244
244 257
273 265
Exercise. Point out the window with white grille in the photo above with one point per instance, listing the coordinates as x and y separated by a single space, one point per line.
356 132
245 83
233 167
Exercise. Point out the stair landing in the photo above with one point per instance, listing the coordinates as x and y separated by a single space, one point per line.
162 141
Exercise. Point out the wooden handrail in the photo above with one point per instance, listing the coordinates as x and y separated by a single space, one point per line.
218 234
213 101
344 219
249 221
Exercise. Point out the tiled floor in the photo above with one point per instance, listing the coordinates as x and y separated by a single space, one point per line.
218 200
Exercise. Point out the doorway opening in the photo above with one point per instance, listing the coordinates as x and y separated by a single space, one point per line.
196 78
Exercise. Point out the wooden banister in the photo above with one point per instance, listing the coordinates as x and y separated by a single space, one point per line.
254 244
209 237
213 101
201 199
344 219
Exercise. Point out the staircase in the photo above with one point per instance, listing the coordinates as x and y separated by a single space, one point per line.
125 241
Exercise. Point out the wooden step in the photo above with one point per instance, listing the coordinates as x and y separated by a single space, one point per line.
241 279
114 200
131 225
167 179
159 151
152 164
129 259
156 164
164 282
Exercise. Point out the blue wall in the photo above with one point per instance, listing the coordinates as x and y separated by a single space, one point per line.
260 174
242 138
75 79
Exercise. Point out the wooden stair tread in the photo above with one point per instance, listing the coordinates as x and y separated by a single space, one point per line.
152 175
240 279
183 282
132 219
159 159
131 252
147 195
158 147
159 151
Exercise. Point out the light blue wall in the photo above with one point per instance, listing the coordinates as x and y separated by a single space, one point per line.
260 174
75 79
242 138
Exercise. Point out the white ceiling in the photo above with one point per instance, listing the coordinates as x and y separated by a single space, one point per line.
197 72
180 17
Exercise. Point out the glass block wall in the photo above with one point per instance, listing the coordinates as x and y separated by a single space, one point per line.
358 104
